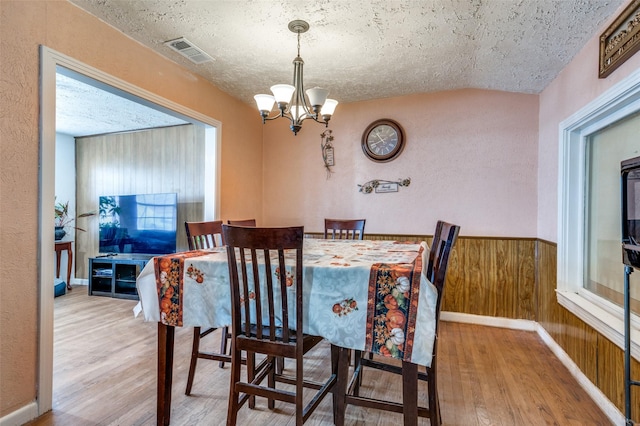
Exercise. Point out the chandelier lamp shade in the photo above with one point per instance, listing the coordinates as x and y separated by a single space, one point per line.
291 100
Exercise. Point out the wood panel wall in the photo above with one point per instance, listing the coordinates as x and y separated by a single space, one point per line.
597 357
487 276
168 159
515 278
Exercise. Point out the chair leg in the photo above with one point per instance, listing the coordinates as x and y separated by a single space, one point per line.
251 370
434 402
232 410
357 356
410 393
195 348
223 344
299 393
271 380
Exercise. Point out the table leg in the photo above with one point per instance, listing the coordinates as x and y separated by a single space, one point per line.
69 263
166 336
340 388
58 255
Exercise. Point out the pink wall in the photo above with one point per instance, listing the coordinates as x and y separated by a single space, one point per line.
576 86
471 156
24 25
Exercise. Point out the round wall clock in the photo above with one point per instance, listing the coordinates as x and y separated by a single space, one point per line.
383 140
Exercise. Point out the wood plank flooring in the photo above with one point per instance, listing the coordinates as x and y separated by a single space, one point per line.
105 372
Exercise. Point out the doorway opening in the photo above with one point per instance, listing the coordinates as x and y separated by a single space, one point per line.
52 63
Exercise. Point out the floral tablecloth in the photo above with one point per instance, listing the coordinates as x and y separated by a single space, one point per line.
364 295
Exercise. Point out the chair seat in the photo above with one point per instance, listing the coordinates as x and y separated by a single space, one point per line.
277 346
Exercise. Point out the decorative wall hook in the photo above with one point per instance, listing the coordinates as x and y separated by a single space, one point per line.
382 186
327 151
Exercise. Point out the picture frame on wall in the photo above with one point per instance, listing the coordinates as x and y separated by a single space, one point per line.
387 187
620 40
328 155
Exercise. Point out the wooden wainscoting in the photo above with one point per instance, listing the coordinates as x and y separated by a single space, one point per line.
487 276
492 277
598 358
515 278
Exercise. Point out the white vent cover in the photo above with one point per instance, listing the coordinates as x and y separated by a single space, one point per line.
188 50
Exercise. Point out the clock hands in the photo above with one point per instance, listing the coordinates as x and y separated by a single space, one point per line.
382 140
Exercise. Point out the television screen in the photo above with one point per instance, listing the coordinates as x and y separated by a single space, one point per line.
138 224
631 211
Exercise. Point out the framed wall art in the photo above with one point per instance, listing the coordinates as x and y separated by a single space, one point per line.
620 40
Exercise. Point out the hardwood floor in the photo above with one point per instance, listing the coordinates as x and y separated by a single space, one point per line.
105 361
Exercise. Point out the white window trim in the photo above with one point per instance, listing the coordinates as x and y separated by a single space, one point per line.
620 101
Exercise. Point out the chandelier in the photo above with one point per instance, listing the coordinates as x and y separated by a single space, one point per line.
291 100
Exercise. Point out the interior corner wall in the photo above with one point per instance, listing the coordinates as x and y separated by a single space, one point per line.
24 27
471 156
575 87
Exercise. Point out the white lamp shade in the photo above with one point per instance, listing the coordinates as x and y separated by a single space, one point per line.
298 112
329 107
265 102
317 96
283 93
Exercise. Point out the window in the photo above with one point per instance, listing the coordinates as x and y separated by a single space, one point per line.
604 271
590 269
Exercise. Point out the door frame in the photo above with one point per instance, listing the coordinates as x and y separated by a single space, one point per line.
50 61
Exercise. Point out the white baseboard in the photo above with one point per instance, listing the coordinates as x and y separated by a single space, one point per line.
21 415
79 281
609 409
514 324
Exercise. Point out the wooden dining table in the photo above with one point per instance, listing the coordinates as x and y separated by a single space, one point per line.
358 295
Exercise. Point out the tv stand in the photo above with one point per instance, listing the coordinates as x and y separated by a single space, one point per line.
115 275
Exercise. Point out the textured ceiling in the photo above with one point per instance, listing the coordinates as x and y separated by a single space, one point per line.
83 110
367 49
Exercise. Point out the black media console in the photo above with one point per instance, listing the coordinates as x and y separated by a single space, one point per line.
115 276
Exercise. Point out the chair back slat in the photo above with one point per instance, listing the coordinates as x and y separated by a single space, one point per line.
341 229
282 281
448 234
204 235
261 288
435 243
446 239
245 290
243 222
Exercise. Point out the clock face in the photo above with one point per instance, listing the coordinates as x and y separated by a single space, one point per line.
383 140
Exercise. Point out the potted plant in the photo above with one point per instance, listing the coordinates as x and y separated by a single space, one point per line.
62 219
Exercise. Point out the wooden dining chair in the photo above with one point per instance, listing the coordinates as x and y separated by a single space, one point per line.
243 222
444 239
263 290
338 229
204 235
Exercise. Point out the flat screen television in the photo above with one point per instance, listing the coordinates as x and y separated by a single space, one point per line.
630 172
143 224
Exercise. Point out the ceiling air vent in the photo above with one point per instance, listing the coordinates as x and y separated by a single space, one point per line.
189 50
